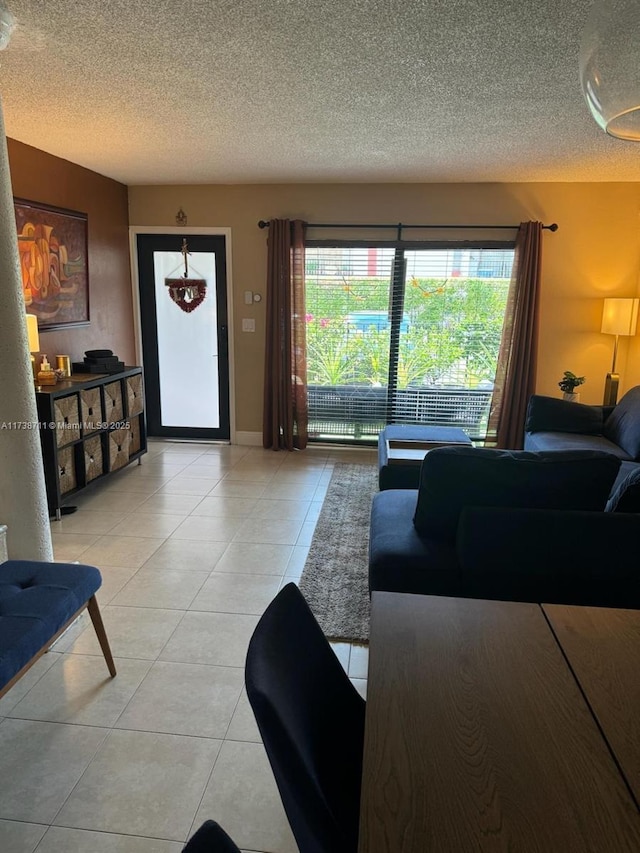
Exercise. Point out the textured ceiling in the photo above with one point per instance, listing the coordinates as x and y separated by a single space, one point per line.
248 91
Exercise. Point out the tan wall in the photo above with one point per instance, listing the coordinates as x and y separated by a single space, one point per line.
595 253
38 176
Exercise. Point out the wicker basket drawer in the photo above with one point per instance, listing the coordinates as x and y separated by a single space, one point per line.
67 417
119 440
91 410
67 470
114 410
93 462
135 396
134 435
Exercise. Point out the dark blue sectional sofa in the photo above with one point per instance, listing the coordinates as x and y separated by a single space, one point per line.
554 424
510 525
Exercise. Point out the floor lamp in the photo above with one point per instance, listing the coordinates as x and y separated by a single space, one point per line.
619 317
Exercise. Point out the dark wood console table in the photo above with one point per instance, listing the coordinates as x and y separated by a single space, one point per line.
90 425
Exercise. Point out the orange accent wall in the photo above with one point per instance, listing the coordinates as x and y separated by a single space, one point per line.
38 176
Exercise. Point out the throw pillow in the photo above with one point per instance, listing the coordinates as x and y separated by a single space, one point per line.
550 414
454 477
623 424
626 497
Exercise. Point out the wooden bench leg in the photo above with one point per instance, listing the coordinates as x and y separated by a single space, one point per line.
96 618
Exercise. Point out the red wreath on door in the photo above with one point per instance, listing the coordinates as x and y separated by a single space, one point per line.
187 293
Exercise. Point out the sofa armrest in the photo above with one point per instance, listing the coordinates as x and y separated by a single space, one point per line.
548 414
553 556
400 559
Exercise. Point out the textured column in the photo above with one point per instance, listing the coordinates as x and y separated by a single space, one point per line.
23 502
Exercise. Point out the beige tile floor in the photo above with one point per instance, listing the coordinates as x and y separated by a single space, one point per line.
192 546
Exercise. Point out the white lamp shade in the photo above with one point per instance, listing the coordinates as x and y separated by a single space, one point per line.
620 316
32 332
609 67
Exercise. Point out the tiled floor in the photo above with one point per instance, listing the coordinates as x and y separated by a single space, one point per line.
192 545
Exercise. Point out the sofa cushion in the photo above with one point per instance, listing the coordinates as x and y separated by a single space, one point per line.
454 477
552 414
626 497
623 424
549 556
547 441
626 467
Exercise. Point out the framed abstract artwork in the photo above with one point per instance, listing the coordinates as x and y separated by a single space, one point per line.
52 243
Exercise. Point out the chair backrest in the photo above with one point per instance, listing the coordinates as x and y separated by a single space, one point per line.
210 838
311 719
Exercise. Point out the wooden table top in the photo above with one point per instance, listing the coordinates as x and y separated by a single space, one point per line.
478 737
602 646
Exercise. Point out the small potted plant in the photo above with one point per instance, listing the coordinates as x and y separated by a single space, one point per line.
568 385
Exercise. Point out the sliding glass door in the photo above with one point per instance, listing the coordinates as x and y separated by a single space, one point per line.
402 335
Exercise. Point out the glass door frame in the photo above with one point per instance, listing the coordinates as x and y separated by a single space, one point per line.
134 231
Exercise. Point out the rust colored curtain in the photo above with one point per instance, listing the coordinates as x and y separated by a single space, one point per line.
515 373
285 417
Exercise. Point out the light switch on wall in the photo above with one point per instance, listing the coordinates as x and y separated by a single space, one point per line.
248 297
248 325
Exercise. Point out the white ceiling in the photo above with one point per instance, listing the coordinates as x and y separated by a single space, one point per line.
257 91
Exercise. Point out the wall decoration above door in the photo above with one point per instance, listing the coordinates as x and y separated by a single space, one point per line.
52 243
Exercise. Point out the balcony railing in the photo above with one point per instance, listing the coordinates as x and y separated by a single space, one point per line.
359 412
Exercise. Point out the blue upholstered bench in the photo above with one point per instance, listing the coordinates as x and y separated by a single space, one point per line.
37 603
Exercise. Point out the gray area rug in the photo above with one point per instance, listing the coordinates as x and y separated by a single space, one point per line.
334 579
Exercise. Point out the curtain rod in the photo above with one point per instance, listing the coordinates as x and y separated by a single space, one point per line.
400 226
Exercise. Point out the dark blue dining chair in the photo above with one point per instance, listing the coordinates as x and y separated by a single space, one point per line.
210 838
311 719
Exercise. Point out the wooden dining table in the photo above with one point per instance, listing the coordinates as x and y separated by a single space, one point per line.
500 726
